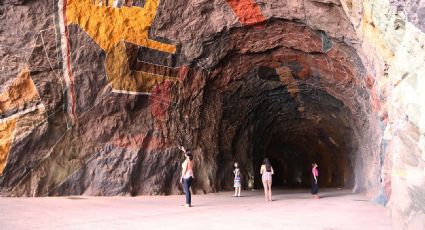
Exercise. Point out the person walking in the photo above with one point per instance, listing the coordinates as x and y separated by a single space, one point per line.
237 180
314 185
187 175
266 172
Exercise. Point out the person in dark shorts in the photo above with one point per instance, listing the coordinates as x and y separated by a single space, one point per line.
314 185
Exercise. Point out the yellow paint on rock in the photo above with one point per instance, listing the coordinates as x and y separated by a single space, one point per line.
107 26
22 90
7 130
123 79
288 80
103 2
286 77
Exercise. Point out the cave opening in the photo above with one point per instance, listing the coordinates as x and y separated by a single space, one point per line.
293 127
276 92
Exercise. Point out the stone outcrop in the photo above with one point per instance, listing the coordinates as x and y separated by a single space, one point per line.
96 96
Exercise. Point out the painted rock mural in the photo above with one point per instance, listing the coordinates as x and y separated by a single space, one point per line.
96 96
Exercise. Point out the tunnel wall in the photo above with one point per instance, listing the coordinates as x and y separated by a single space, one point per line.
102 113
393 50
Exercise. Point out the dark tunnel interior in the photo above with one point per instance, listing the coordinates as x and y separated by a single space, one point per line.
293 125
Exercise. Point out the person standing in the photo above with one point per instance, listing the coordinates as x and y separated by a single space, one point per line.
187 175
314 185
266 172
237 180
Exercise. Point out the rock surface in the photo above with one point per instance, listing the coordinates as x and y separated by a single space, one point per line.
95 97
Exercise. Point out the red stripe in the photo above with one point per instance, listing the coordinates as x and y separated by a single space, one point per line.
247 11
68 62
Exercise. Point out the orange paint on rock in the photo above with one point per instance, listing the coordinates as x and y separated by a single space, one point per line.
123 79
7 130
21 91
288 80
107 26
247 11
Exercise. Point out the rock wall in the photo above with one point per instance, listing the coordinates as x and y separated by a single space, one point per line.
95 96
393 49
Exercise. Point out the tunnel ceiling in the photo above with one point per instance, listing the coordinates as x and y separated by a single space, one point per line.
98 99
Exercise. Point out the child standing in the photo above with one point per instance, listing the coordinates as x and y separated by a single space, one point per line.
237 180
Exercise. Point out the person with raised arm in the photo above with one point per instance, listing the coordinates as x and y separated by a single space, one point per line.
187 175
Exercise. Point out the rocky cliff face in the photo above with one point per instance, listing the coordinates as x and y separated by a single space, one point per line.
95 96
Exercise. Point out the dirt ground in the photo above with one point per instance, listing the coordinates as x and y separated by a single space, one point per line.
290 209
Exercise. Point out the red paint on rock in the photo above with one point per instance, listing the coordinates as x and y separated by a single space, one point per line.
374 99
369 81
129 141
160 99
305 71
247 11
183 73
136 142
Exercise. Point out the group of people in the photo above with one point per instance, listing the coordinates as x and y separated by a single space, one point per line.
266 172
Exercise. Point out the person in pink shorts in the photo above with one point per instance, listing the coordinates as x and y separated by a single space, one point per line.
266 172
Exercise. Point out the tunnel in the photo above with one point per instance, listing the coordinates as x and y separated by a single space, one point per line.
293 128
289 100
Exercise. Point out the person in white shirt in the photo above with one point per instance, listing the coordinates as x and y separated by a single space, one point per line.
187 175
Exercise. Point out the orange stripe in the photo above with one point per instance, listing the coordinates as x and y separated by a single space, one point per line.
247 11
7 130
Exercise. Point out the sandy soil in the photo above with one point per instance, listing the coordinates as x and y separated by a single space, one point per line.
291 209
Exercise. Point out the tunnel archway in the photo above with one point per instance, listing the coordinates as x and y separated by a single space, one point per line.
292 130
291 100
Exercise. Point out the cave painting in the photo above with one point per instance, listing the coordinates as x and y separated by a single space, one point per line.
7 129
247 11
109 27
17 96
21 91
111 23
287 78
122 78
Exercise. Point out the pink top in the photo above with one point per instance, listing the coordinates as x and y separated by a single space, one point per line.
315 172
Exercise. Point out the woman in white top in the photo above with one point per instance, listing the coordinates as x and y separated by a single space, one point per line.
237 180
266 172
187 174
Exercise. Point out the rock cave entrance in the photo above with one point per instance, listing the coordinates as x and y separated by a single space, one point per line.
289 93
292 127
